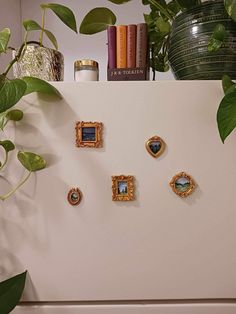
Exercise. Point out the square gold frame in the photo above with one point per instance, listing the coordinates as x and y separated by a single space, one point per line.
130 188
98 134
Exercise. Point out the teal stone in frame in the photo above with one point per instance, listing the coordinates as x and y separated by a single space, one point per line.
155 146
74 196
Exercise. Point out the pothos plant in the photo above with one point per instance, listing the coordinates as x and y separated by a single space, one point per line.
159 20
11 92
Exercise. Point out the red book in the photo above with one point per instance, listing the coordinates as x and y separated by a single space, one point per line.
111 38
141 46
131 46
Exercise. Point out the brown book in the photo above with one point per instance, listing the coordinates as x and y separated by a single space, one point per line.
141 45
121 34
131 46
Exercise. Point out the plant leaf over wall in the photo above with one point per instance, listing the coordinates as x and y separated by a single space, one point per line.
31 161
226 115
227 84
64 13
97 20
11 91
10 292
31 25
7 145
34 84
4 39
52 38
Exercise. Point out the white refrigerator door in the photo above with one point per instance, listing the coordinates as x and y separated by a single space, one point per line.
157 247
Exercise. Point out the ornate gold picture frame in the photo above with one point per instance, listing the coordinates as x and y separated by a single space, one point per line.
123 188
182 184
155 146
89 134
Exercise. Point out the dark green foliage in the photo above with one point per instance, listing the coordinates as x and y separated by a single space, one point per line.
10 292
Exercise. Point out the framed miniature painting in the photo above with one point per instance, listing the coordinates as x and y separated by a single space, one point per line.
74 196
182 184
155 146
122 188
89 134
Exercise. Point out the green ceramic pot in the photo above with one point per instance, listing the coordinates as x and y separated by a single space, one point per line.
191 31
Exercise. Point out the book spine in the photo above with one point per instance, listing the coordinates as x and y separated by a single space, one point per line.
121 46
141 46
131 46
111 38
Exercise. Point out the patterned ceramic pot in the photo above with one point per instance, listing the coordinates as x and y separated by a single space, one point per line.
44 63
191 31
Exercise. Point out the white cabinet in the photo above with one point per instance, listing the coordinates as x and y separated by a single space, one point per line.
218 308
158 247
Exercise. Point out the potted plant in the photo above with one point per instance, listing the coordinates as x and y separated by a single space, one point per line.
36 59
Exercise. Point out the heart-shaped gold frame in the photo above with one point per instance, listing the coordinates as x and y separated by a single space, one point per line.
155 139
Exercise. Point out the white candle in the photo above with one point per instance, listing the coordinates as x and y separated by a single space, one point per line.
86 70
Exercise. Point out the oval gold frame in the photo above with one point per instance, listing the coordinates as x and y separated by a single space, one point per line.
191 184
155 139
74 190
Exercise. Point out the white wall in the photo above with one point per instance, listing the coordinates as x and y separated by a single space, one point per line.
83 46
10 16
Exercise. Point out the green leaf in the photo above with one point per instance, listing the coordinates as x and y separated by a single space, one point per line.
227 84
163 26
2 119
34 84
226 115
147 19
31 25
7 145
31 161
97 20
4 39
217 38
119 1
10 292
214 45
173 8
52 38
187 4
11 91
15 115
64 13
230 6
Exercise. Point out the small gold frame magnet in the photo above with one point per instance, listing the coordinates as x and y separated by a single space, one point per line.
122 188
74 196
155 146
89 134
182 184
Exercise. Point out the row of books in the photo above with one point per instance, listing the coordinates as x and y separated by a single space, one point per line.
127 46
